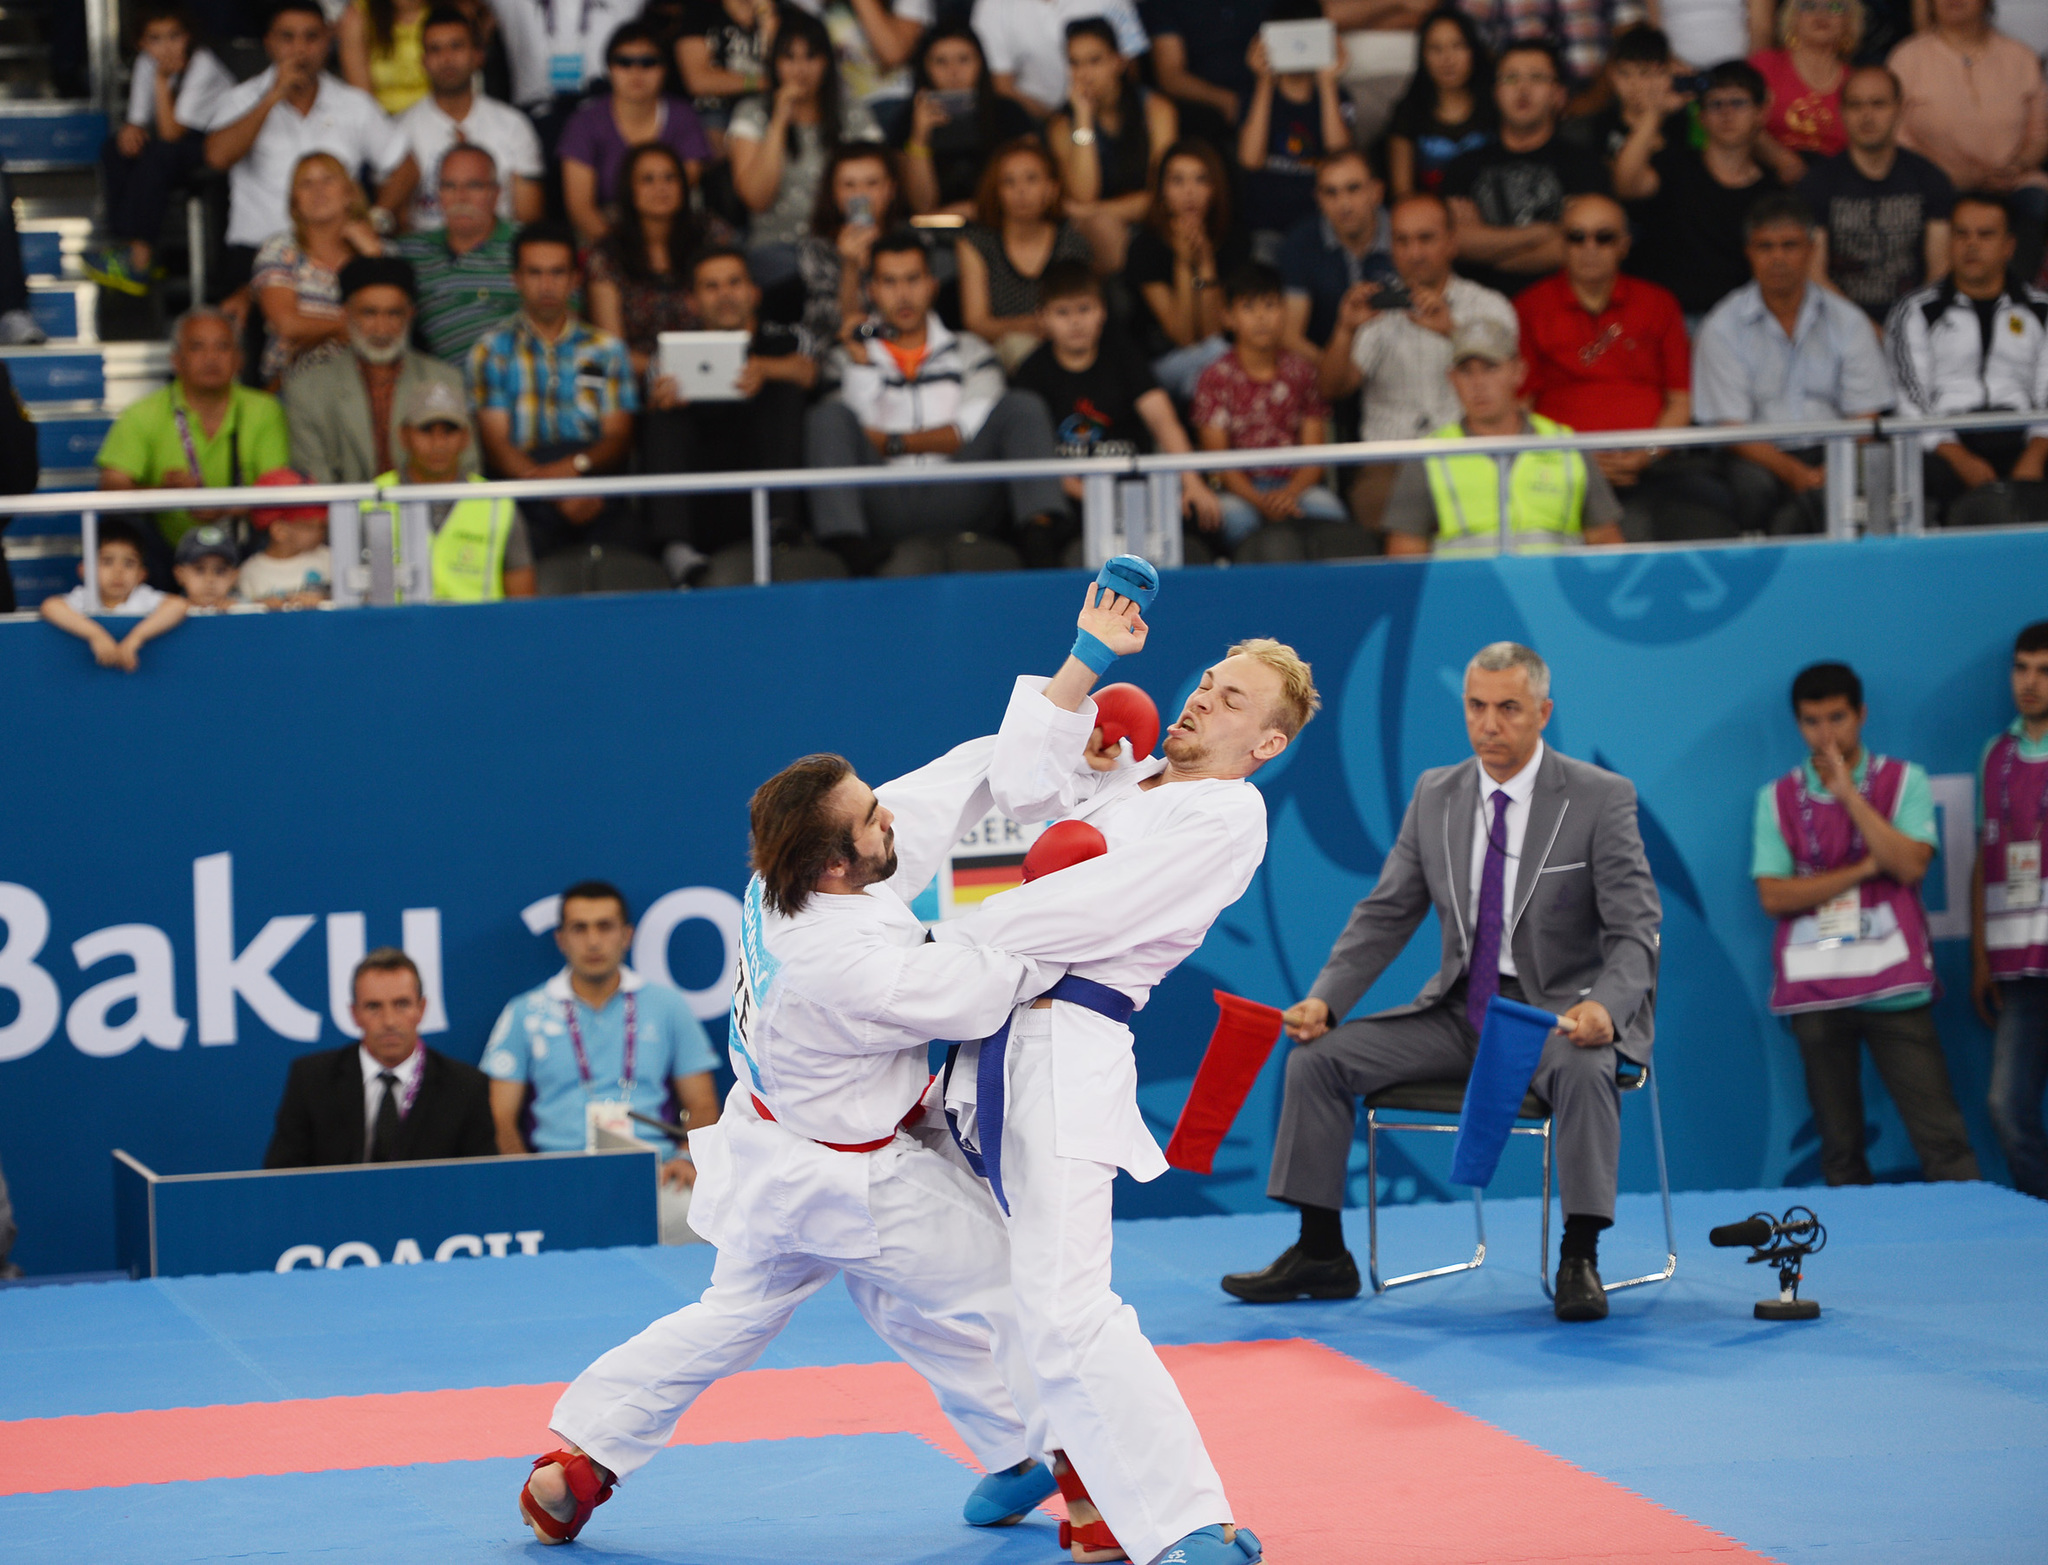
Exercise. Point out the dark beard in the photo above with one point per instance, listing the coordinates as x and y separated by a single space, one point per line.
873 871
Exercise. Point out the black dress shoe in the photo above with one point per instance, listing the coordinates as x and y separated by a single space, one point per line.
1296 1276
1579 1295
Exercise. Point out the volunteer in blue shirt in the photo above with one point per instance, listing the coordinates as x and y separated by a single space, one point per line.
597 1041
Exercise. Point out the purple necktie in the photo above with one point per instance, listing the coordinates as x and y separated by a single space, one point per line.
1483 982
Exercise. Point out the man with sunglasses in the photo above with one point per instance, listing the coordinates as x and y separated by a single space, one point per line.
1609 352
1694 201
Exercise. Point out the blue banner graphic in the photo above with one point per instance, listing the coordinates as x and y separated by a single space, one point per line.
196 854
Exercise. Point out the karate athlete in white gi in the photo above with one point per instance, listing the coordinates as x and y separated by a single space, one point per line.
1185 834
827 1160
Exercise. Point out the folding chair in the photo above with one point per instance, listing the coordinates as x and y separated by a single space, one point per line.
1441 1101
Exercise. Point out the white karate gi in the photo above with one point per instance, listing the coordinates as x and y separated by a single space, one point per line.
1179 854
833 1011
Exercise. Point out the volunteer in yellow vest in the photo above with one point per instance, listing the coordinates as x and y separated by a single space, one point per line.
1556 499
481 548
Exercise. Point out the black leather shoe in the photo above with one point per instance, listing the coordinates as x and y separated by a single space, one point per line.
1579 1295
1296 1276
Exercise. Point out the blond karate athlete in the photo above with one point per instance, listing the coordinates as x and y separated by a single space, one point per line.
828 1161
1185 835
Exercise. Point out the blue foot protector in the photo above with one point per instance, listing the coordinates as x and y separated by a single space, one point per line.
1209 1546
1010 1495
1130 577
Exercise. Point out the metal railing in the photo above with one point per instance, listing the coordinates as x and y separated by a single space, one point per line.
1130 503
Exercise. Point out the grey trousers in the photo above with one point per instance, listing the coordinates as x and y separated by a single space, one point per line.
1017 429
1906 1050
1324 1078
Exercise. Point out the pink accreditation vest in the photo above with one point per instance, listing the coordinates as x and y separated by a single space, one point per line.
1830 957
2015 805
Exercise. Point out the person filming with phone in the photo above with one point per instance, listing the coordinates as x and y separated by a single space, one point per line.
1393 341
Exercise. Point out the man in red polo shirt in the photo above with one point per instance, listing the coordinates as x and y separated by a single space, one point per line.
1609 352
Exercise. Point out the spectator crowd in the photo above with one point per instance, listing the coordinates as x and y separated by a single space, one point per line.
461 238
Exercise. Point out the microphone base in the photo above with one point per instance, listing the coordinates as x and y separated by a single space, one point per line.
1787 1309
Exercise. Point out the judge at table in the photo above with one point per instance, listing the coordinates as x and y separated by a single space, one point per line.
1536 871
389 1098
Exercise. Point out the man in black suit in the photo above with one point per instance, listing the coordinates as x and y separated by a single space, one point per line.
389 1098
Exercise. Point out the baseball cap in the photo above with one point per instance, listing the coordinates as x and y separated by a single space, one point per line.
435 402
264 515
205 540
1489 340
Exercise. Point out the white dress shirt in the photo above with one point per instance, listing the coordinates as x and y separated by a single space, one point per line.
343 120
1518 788
407 1073
497 128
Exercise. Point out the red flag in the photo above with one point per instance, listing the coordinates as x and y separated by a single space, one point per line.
1245 1034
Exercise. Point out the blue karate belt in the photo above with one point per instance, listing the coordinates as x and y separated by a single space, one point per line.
989 1077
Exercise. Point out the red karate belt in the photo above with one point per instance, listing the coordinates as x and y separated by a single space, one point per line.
876 1145
1245 1034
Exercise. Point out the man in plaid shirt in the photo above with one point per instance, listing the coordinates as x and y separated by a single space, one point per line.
555 398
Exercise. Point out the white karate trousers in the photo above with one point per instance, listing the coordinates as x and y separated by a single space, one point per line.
1110 1402
938 1293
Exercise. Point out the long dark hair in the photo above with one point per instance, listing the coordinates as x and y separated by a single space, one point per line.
1418 105
827 219
1217 221
1130 102
685 232
985 128
802 26
793 833
988 198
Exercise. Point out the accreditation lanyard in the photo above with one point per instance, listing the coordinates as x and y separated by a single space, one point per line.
191 448
2010 759
1806 827
411 1089
583 1059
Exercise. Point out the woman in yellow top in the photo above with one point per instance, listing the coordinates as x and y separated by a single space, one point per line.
380 51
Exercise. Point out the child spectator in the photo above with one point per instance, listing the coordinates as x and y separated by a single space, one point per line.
1294 119
175 86
1449 109
295 569
1098 388
123 594
1641 76
1260 394
205 569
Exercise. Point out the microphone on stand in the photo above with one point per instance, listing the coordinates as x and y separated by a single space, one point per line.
1784 1242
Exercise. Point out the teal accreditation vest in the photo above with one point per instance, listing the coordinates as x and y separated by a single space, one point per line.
469 551
1546 496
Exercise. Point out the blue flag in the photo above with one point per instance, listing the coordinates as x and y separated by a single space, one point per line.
1510 1044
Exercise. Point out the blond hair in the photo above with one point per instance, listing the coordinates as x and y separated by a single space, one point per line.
1298 699
358 204
1852 26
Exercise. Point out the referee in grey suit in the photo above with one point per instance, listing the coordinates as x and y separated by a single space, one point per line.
1535 868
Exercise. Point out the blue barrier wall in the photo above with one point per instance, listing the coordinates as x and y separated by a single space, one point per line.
193 854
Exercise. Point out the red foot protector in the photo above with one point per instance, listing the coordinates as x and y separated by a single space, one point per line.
1123 711
1244 1036
584 1489
1307 1441
1062 844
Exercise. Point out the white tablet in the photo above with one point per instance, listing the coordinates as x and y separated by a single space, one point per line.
1294 47
705 364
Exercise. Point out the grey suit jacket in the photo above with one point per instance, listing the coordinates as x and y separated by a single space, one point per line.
1584 924
329 410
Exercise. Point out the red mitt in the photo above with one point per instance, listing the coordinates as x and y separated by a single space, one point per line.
1061 844
1124 711
1245 1034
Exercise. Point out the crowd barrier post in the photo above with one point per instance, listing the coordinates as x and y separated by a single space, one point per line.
1164 510
345 547
89 563
415 541
1909 498
763 540
1840 490
383 563
1098 519
1880 505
